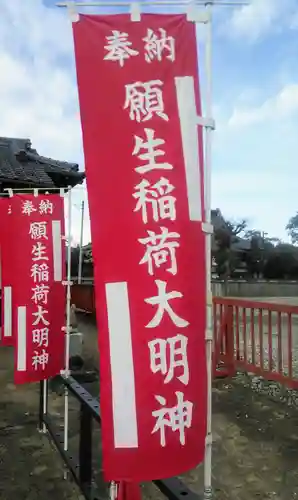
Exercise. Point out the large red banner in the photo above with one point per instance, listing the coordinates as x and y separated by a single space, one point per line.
38 291
7 263
139 101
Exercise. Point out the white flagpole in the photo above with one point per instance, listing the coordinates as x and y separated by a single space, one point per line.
68 311
81 244
158 3
209 331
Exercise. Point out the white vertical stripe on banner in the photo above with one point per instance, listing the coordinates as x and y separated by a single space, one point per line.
22 348
122 367
57 249
7 312
189 134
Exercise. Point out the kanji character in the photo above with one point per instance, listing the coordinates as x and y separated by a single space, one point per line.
119 47
157 196
46 207
40 316
156 45
40 293
166 355
178 418
38 230
159 249
150 145
39 252
40 272
40 359
28 207
40 336
144 100
162 301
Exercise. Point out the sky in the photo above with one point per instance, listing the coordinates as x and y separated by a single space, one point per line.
255 102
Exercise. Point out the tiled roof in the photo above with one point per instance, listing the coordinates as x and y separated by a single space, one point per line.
20 163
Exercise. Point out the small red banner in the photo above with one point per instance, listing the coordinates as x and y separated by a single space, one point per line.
139 101
38 292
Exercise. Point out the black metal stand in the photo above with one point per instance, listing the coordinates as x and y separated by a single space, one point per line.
81 469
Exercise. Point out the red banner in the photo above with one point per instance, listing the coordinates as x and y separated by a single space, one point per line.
38 291
139 101
7 263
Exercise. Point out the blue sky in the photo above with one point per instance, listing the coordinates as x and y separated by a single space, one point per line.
255 63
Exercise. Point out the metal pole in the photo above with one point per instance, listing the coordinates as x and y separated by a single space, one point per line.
209 332
68 286
41 426
67 329
81 245
45 402
161 3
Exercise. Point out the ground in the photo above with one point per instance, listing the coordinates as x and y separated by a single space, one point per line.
254 450
29 467
255 445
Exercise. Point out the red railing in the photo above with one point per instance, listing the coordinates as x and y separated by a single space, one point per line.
249 336
256 337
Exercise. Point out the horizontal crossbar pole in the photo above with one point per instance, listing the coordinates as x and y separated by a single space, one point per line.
157 3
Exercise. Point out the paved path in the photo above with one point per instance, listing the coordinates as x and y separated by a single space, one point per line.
30 469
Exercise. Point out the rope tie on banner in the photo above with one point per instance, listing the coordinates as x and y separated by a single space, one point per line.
135 12
73 14
196 15
209 299
208 440
67 329
113 490
208 334
206 122
66 283
207 228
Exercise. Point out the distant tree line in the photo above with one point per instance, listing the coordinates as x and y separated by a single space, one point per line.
237 252
257 255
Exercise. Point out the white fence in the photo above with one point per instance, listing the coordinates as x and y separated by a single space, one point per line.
260 288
